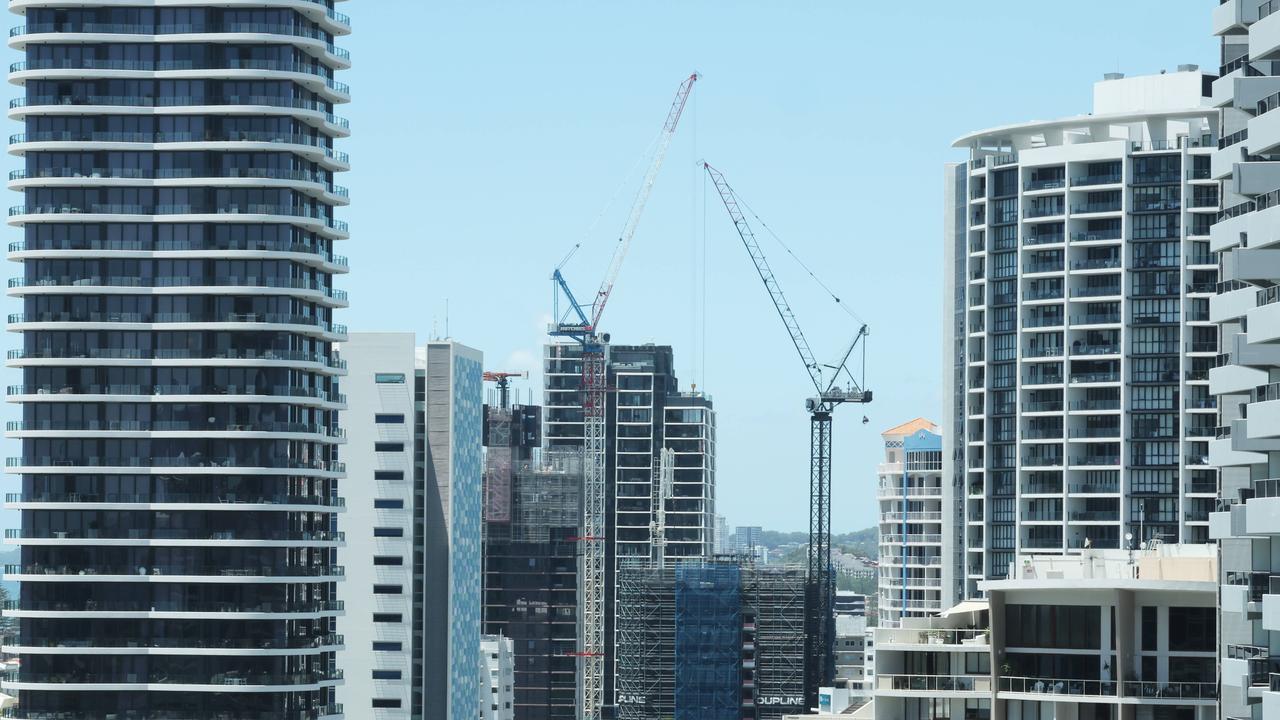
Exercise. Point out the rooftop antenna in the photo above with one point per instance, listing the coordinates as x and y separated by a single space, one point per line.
446 319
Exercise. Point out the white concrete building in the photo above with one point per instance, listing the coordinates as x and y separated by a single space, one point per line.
1246 447
851 656
412 630
497 678
1079 271
912 567
1103 635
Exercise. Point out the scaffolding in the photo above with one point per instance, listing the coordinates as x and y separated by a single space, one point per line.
773 607
709 639
645 640
547 495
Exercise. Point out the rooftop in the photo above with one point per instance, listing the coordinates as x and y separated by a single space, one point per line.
1121 108
910 427
1160 566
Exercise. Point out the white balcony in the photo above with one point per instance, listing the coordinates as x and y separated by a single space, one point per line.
1264 36
1262 227
1223 160
1222 454
1226 233
1264 324
1271 611
1229 17
1232 305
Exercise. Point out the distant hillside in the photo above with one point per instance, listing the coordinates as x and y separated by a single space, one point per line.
861 542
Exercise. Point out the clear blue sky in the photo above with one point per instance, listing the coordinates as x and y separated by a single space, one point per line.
489 136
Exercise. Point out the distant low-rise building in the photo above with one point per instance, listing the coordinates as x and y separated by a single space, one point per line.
497 678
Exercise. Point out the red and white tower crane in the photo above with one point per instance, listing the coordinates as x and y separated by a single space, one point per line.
583 325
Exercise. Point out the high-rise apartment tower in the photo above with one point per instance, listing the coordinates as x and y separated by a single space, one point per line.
1080 343
179 440
912 565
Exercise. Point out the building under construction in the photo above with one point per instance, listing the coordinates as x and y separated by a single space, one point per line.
532 517
719 639
647 414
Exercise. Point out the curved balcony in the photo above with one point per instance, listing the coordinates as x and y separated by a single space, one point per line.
195 463
14 608
131 356
227 284
237 249
94 428
220 501
304 216
131 645
20 107
171 573
175 177
313 74
314 713
234 681
181 393
279 322
317 146
309 38
61 319
161 535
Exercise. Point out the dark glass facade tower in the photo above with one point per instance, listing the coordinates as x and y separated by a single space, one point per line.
179 388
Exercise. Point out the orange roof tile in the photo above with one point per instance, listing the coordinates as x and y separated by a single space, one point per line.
909 427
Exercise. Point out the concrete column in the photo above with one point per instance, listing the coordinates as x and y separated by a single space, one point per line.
995 602
1126 659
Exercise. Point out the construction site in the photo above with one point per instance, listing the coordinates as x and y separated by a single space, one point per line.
664 627
717 639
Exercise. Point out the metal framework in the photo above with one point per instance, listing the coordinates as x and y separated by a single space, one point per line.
584 328
820 580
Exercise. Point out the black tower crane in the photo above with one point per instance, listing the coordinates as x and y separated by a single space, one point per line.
819 636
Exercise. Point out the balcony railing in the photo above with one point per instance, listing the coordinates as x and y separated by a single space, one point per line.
1178 690
934 683
1056 686
1104 179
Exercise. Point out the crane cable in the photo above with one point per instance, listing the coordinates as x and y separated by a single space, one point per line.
586 235
799 262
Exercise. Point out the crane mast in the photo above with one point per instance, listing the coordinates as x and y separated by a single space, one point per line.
819 636
583 326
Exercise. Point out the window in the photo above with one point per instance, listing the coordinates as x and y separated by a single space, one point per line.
388 617
389 379
383 646
388 447
1149 628
388 590
388 532
386 702
388 503
388 474
387 675
389 419
388 560
1196 629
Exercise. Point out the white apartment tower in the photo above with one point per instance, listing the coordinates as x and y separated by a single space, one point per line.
911 582
1079 342
412 630
1246 448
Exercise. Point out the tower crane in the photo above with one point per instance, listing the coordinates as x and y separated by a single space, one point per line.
581 323
503 381
819 586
